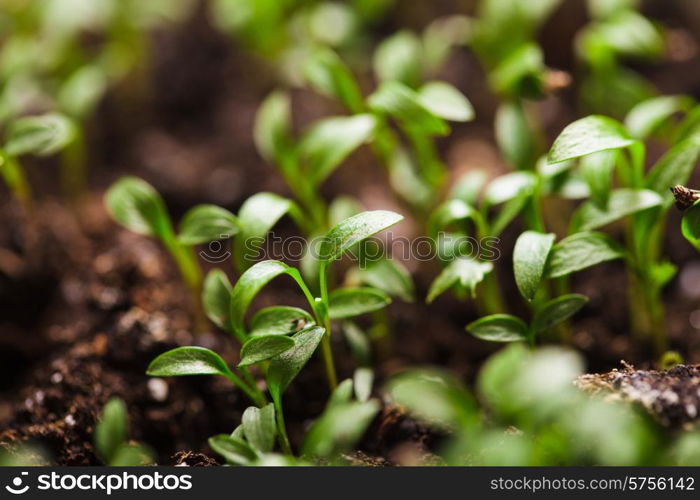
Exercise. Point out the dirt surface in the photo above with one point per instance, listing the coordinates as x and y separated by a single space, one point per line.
672 396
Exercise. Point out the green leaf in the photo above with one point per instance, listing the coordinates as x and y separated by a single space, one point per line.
338 429
273 128
205 223
529 260
264 347
362 382
216 298
509 211
137 206
390 276
40 135
279 320
509 186
589 135
557 310
630 33
690 225
82 90
403 104
188 361
331 140
622 202
234 451
468 272
328 75
468 186
111 430
449 212
399 58
596 170
520 74
285 367
514 135
647 117
259 427
445 101
249 285
256 217
580 251
350 302
342 394
353 230
499 328
130 455
674 168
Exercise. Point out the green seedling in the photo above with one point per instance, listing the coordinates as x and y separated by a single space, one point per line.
111 438
557 423
616 32
42 135
281 339
343 422
464 221
606 150
420 110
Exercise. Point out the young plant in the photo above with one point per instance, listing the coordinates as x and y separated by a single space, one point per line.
111 438
605 148
342 423
419 110
281 339
42 135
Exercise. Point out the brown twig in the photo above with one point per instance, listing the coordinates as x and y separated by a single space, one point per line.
685 197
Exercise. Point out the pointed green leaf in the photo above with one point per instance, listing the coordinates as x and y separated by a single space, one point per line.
589 135
404 105
450 212
355 229
342 394
285 367
580 251
260 213
622 202
338 429
264 347
445 101
647 116
273 128
331 140
41 135
188 361
249 285
111 430
279 320
399 58
499 328
234 451
557 310
359 343
343 207
390 276
137 206
328 75
259 427
468 272
529 260
350 302
216 298
205 223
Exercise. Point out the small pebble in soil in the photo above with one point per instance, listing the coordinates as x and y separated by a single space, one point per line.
56 378
70 420
158 388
